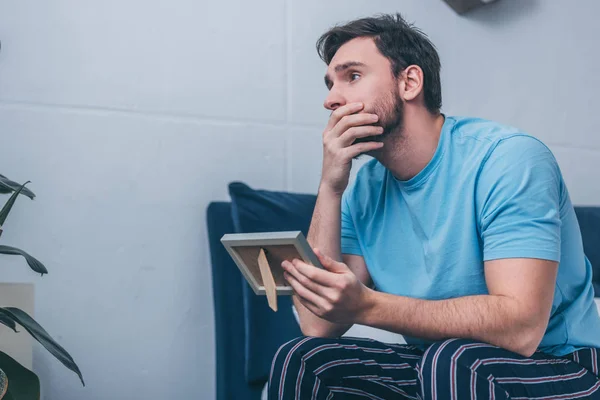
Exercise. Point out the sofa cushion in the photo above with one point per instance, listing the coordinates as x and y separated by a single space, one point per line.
227 284
589 223
267 211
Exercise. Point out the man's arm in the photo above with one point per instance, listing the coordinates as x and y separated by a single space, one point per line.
346 124
513 316
324 233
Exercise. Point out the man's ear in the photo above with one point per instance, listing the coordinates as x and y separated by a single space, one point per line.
411 82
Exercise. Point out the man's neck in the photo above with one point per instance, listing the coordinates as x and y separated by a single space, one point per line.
406 154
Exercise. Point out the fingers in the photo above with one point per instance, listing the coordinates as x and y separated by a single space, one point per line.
312 307
348 137
297 276
340 141
315 279
340 112
303 292
349 121
348 127
361 148
329 263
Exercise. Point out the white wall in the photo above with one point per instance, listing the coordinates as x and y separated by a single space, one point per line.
129 117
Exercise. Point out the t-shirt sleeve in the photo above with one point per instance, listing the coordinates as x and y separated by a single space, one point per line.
518 201
349 238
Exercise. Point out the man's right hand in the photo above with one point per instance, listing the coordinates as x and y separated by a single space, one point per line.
346 124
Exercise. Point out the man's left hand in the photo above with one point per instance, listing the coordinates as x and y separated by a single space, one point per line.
333 293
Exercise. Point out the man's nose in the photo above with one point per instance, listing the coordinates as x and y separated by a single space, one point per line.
334 100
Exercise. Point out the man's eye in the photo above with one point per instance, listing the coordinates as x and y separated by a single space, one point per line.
354 76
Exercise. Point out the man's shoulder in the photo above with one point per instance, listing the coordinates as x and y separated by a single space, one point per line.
495 138
483 130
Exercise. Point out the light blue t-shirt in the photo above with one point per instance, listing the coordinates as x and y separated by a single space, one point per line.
489 192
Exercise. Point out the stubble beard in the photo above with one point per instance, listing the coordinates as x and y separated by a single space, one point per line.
390 110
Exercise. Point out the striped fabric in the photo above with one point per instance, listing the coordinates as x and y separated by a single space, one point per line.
357 368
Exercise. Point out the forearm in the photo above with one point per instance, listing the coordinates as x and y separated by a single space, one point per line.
324 234
325 227
498 320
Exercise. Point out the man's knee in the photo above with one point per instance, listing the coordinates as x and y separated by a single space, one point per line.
290 362
288 353
441 357
450 366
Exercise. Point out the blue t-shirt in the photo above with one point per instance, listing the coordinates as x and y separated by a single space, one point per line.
489 192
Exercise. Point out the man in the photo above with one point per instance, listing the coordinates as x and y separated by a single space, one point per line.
451 236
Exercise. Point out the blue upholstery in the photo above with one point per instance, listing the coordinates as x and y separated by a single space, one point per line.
227 283
266 211
589 224
247 332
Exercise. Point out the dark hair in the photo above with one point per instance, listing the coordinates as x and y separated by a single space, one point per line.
400 42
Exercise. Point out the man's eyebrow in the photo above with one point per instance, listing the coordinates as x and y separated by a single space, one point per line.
341 67
349 64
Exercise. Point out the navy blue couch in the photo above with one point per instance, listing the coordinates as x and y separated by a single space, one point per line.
247 331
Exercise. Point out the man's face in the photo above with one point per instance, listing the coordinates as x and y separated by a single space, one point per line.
360 73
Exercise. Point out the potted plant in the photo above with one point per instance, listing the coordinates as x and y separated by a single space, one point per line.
16 381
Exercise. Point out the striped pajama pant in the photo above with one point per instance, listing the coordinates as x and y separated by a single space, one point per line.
355 368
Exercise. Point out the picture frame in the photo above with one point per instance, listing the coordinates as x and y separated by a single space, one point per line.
259 256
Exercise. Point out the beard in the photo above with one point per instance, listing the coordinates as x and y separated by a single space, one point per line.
390 110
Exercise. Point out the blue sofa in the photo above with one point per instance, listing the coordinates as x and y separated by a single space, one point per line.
247 331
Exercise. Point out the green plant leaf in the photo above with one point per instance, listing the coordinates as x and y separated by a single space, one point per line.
40 334
3 384
22 383
8 186
4 320
11 201
34 264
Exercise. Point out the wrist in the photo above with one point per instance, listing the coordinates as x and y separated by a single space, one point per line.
328 190
368 307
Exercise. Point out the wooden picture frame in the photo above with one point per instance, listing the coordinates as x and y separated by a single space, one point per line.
259 257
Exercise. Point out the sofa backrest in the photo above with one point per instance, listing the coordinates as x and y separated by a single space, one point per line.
589 224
